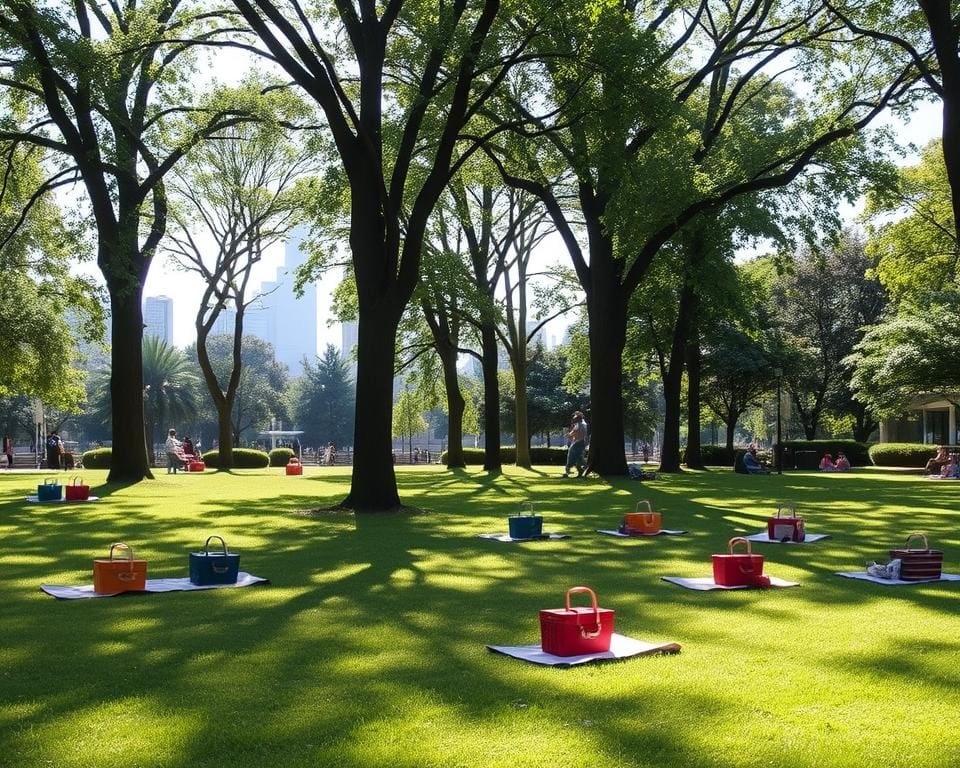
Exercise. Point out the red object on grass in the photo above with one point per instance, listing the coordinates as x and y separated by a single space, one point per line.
785 526
294 467
575 631
196 466
739 569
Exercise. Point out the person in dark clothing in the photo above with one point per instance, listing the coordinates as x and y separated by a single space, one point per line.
54 449
8 451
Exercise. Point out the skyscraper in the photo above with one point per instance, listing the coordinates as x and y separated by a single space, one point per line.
158 317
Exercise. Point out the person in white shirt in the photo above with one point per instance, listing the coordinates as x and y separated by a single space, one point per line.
174 452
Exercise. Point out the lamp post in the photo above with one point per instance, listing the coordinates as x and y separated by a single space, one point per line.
778 454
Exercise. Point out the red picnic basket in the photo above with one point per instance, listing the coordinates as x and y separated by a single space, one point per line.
575 631
294 467
639 523
787 525
919 564
196 465
77 491
119 575
738 569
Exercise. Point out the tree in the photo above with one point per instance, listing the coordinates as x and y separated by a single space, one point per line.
686 114
169 388
417 70
323 400
261 391
241 191
408 418
97 88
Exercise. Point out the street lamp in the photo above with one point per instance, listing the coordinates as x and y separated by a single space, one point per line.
778 454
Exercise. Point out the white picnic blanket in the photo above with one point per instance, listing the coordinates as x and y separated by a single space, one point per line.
810 538
706 583
864 576
62 500
506 537
153 585
621 647
661 532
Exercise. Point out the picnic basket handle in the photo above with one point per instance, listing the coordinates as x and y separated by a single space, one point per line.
593 604
76 480
206 546
926 544
127 547
649 506
50 481
739 540
294 461
528 505
787 505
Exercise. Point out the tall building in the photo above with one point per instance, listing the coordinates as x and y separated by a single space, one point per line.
158 317
349 334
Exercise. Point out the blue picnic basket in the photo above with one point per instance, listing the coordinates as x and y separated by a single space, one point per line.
214 567
525 526
50 490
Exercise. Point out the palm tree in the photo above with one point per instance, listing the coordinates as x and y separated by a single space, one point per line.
169 389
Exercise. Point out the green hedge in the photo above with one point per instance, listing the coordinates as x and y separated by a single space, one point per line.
280 456
243 458
714 455
901 454
98 458
857 453
508 455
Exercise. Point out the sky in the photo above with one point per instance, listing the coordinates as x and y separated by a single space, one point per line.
165 278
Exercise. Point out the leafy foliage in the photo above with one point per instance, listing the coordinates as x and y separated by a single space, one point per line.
322 401
280 457
901 454
243 458
98 458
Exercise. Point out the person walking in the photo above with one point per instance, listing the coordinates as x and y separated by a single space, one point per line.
578 444
174 450
8 451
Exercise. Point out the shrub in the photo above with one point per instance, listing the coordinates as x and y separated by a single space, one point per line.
714 455
901 454
508 455
243 458
856 452
279 457
98 458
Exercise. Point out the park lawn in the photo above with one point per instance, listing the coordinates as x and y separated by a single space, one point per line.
367 649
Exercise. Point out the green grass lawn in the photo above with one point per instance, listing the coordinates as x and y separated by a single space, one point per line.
368 647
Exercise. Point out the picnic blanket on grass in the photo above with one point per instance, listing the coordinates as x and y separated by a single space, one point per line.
153 585
506 537
661 532
621 647
810 538
36 500
864 576
706 583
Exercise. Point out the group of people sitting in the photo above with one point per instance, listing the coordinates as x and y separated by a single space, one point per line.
827 464
943 464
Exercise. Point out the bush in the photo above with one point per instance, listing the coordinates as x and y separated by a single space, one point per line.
714 455
243 458
857 453
901 454
98 458
508 455
280 457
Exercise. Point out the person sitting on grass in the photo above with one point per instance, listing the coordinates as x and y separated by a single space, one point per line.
949 470
842 463
752 464
826 463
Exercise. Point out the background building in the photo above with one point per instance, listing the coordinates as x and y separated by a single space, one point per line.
158 317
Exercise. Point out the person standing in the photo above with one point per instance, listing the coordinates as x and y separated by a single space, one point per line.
54 449
8 451
174 450
578 445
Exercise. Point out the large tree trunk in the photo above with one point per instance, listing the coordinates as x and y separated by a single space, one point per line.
455 406
491 398
607 314
730 420
672 383
129 461
520 416
373 485
694 456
